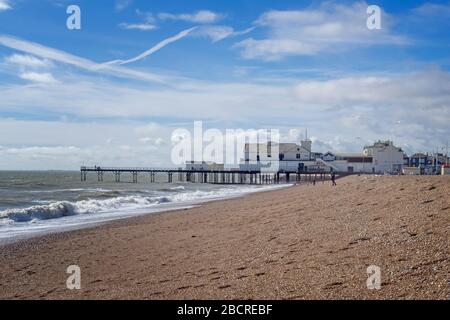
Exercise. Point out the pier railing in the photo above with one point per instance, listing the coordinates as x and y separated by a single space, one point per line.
223 176
127 169
156 169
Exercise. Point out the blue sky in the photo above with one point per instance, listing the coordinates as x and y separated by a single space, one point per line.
288 65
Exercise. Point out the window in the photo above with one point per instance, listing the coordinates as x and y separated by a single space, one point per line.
298 156
281 156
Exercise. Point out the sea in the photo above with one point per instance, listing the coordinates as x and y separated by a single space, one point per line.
36 203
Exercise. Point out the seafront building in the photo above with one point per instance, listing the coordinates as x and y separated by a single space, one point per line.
381 157
427 163
288 157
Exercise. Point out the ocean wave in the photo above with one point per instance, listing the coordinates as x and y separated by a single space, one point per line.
106 194
69 190
178 188
173 189
40 212
59 209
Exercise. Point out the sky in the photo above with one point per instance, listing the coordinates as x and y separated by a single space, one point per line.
113 92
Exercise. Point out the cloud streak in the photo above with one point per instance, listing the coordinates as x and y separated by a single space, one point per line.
218 33
27 61
202 16
153 49
83 63
138 26
46 52
45 78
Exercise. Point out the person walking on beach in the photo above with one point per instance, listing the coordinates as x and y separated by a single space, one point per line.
333 179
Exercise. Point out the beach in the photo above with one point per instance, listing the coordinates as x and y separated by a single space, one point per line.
303 242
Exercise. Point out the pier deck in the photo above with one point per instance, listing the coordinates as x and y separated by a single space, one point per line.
231 176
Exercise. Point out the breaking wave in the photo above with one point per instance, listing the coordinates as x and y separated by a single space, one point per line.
136 202
66 208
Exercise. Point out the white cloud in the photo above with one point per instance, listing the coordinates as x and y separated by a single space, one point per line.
148 129
147 16
189 100
156 142
412 108
5 5
215 33
407 106
426 89
122 4
218 33
45 78
67 58
274 49
341 114
148 24
138 26
68 145
328 28
46 52
202 16
107 67
27 61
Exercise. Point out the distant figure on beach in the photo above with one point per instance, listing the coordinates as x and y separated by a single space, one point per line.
333 179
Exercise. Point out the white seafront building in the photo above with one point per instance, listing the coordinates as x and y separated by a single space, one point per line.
381 157
288 157
386 157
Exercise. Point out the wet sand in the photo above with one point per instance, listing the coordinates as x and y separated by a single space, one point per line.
305 242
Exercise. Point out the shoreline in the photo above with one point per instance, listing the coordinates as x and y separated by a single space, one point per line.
132 216
84 221
303 242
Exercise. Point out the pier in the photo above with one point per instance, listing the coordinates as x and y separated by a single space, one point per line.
232 176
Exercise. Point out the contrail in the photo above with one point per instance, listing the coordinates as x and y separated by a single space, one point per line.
111 66
152 50
45 52
67 58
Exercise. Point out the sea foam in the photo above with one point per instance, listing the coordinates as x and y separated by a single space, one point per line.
59 209
66 208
